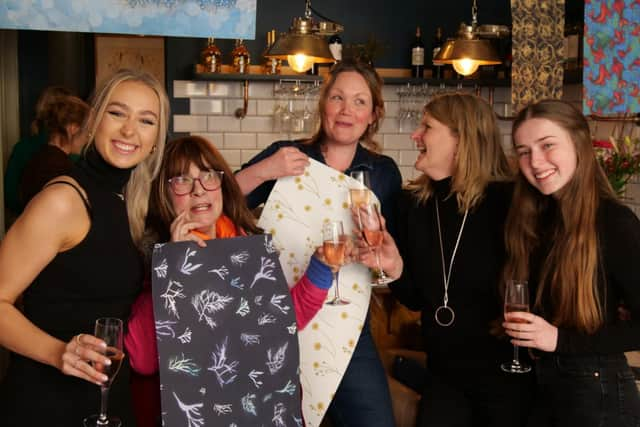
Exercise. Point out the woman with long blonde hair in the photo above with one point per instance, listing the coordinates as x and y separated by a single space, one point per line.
578 246
448 261
74 256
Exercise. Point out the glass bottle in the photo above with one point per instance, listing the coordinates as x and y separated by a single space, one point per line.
240 55
417 56
335 47
211 57
436 69
271 65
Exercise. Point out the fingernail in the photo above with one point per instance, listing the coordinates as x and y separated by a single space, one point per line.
108 362
103 344
105 378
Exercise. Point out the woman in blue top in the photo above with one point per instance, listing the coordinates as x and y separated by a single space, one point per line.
351 108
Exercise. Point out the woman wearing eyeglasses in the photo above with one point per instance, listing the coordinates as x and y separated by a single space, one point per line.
197 198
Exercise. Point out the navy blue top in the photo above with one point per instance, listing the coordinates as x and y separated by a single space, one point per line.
385 178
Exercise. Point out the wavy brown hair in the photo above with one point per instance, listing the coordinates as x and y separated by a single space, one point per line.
569 273
374 82
479 158
179 155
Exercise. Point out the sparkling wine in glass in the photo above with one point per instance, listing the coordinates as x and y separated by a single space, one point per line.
334 246
359 193
516 298
109 329
373 234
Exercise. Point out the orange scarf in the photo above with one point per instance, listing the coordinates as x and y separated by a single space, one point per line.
225 228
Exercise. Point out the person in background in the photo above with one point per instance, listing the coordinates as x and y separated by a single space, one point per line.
351 109
64 121
198 199
578 247
73 255
448 261
25 148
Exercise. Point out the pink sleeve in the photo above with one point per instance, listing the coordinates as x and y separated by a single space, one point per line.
307 300
140 340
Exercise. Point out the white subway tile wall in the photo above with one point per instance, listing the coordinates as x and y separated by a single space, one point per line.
212 107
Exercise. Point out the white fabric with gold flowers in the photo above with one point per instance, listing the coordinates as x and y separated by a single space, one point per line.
294 214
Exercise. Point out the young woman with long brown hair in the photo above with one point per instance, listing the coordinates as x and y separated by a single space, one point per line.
578 246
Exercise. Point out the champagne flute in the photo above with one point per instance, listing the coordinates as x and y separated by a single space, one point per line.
516 298
359 193
109 329
333 245
373 233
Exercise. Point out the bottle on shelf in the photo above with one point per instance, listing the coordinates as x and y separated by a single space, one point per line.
417 56
335 47
211 57
271 65
572 46
436 69
240 55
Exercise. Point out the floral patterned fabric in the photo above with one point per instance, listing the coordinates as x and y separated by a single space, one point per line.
612 57
538 35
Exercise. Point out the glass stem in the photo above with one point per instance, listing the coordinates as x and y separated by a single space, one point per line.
516 357
380 270
335 278
104 398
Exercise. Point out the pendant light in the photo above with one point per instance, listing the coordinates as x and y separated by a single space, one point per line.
304 44
467 52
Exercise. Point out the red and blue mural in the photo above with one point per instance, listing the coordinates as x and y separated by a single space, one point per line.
611 57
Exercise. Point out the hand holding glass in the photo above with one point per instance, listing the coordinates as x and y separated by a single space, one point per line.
109 330
516 298
334 246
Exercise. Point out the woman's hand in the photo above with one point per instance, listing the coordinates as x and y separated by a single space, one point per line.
80 353
181 230
529 330
287 161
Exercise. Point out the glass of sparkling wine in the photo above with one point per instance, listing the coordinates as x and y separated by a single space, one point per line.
333 245
359 193
373 233
516 298
109 329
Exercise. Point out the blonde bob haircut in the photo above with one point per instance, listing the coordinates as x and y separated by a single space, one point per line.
479 157
138 188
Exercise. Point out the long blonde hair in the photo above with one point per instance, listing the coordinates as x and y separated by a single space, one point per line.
479 159
139 186
374 83
570 270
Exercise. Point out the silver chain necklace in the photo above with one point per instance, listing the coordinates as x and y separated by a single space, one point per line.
447 275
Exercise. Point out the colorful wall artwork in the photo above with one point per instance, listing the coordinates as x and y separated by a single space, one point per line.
612 57
232 19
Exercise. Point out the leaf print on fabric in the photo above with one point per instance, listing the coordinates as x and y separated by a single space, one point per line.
292 328
164 328
258 300
269 245
185 338
192 412
289 389
174 290
222 408
248 404
276 301
276 360
235 282
161 270
240 258
266 318
207 303
188 268
225 372
297 420
249 339
254 377
221 271
267 397
244 308
279 411
266 271
183 364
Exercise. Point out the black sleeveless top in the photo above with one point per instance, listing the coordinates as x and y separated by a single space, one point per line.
99 277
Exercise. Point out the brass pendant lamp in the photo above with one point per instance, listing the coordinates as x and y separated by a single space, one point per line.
304 44
467 52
